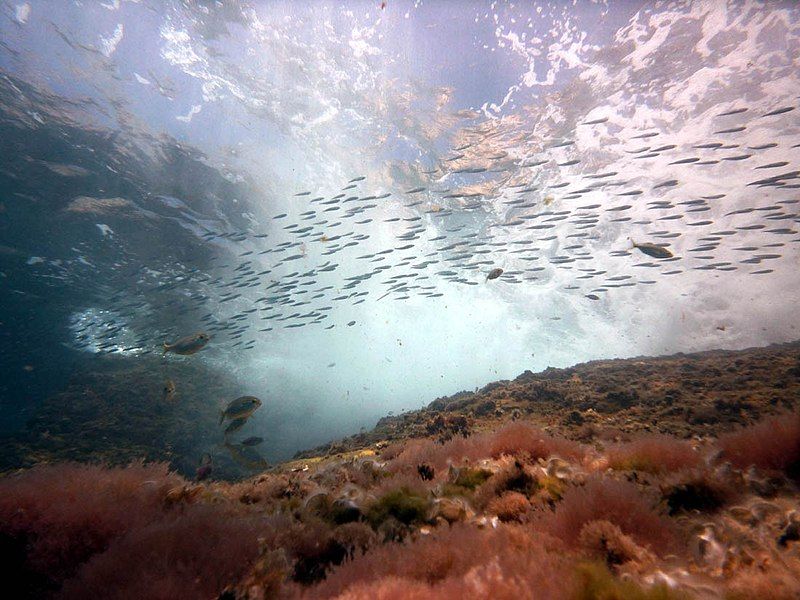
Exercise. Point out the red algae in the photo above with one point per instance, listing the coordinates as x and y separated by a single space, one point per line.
655 453
63 514
457 562
701 489
516 439
618 502
605 541
752 583
772 444
502 510
439 456
76 525
514 477
195 554
511 506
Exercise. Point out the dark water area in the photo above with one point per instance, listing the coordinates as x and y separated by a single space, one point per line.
36 311
40 216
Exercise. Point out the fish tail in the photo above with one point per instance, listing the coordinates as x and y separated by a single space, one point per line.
221 416
166 347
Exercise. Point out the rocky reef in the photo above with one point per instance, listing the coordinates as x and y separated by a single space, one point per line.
661 478
115 412
685 395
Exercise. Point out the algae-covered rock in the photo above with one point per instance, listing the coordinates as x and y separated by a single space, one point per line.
404 505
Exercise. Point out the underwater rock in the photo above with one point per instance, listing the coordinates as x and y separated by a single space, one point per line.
306 528
659 396
311 524
344 511
699 490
